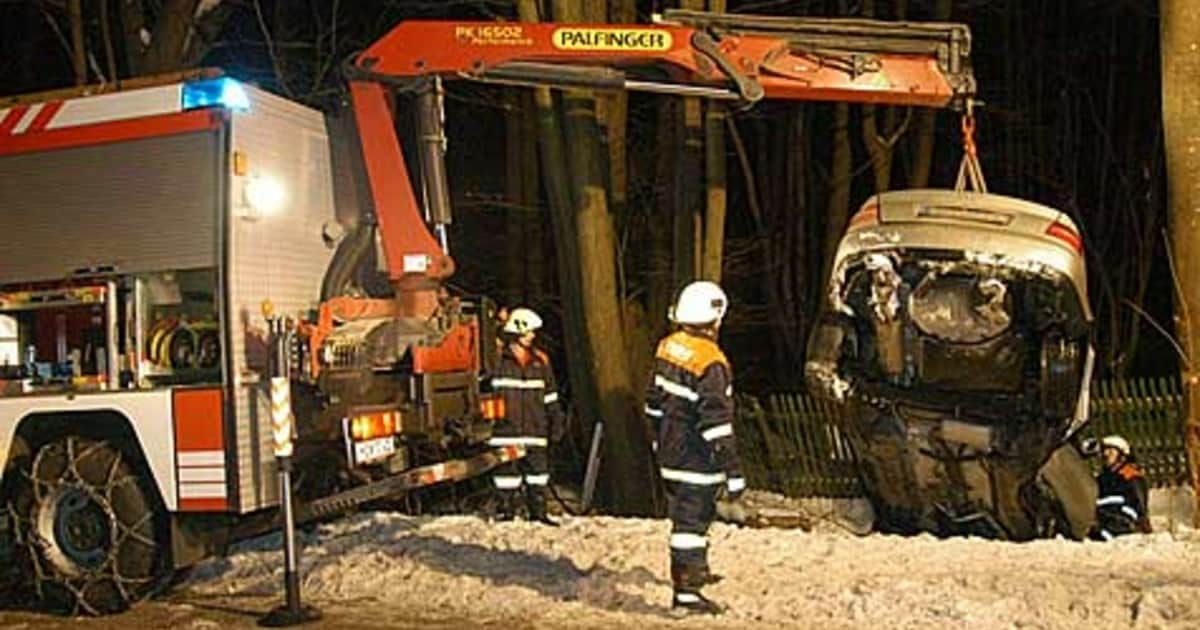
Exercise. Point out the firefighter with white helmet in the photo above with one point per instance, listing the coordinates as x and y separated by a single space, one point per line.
689 403
533 415
1121 506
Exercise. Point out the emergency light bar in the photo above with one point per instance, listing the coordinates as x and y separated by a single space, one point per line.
220 92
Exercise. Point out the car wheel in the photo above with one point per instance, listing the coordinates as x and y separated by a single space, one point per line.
91 535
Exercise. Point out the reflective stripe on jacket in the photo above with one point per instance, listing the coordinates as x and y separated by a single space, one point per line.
689 402
532 407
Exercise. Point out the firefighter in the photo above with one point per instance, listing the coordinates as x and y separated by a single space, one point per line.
1121 503
532 414
689 403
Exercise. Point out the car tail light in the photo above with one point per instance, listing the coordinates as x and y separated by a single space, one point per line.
1067 235
492 407
372 425
869 215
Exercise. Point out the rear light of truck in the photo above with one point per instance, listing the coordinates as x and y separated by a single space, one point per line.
491 407
1067 235
869 215
368 426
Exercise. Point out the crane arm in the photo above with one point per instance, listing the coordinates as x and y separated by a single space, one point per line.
721 56
716 55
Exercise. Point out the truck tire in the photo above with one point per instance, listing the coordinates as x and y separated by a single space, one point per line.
91 534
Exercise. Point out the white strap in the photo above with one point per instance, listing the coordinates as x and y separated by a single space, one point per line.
688 541
504 482
1111 499
736 484
517 441
717 432
654 413
537 480
1130 512
692 477
675 389
518 383
687 598
552 397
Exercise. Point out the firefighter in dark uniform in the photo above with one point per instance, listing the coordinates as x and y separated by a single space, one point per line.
689 403
533 413
1121 503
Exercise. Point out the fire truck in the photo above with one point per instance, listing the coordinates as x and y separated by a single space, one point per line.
163 240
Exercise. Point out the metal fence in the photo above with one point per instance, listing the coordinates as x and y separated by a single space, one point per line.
791 443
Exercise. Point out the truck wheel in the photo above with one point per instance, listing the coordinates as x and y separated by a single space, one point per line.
91 536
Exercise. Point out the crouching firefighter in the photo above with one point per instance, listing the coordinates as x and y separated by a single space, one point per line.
689 402
1121 502
533 413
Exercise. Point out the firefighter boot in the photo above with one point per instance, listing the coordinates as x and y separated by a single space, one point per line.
505 506
687 598
535 501
708 577
691 602
694 577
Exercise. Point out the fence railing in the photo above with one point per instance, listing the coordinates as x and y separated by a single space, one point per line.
1149 413
791 444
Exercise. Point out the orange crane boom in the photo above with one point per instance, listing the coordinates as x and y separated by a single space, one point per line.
737 58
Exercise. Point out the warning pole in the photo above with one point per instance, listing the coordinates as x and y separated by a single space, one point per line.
283 428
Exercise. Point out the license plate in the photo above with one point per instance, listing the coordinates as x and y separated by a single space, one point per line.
369 451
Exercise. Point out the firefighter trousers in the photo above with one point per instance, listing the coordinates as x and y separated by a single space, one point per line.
528 476
691 508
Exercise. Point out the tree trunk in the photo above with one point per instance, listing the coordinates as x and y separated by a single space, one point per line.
110 55
626 463
514 197
133 25
535 244
880 146
1180 24
78 47
166 51
714 178
180 37
558 193
688 219
661 281
926 119
688 201
715 184
840 179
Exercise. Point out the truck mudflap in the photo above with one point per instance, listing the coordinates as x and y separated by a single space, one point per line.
451 470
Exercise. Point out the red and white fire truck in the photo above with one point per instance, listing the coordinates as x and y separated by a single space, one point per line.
144 229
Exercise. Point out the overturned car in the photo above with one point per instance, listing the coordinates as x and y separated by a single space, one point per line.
956 332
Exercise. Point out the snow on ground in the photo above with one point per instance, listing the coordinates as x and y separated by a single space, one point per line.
600 572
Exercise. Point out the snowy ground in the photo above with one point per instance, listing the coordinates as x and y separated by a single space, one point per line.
600 572
386 570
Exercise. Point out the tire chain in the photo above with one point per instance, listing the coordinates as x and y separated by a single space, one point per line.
109 570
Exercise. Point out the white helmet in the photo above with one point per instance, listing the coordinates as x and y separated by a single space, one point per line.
1117 442
521 321
701 302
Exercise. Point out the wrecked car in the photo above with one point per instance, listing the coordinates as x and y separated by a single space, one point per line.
956 334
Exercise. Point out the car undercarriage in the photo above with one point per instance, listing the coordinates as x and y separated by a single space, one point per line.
961 376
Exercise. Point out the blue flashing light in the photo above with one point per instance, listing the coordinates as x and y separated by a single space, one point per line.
222 92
